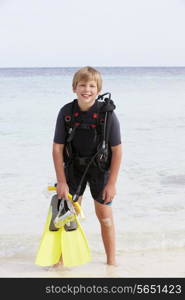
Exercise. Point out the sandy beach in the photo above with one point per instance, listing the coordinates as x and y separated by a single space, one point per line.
153 263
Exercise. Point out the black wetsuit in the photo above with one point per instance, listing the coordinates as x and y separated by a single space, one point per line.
83 145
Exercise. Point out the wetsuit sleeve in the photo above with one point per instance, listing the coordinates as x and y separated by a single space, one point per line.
114 135
60 132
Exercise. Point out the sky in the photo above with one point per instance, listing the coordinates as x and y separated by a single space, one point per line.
64 33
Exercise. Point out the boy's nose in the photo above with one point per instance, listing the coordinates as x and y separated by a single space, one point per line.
87 88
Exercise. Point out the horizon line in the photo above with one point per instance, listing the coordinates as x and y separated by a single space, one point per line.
59 67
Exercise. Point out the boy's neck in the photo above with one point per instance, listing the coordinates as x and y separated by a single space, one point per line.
85 106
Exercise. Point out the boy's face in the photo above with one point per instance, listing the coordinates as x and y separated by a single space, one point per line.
86 92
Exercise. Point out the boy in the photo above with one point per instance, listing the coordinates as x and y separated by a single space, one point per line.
75 145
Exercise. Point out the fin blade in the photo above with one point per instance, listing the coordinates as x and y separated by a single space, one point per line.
75 249
49 250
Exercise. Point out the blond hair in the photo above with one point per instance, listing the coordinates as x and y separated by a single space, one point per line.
87 74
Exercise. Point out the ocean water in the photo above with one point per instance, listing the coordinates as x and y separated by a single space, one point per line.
149 207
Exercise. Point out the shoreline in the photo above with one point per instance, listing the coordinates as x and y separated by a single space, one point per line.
150 263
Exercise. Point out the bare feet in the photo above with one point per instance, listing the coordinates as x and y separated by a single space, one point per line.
58 264
112 263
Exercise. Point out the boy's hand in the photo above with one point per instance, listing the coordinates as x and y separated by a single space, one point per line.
109 192
62 190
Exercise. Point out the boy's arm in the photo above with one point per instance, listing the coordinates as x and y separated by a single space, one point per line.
110 190
115 163
62 187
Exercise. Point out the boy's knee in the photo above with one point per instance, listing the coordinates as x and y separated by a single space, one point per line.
107 222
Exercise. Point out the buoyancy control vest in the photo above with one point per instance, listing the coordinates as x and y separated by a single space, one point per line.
88 133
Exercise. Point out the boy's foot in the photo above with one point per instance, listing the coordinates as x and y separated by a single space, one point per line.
112 263
60 263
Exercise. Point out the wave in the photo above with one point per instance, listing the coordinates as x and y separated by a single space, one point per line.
18 244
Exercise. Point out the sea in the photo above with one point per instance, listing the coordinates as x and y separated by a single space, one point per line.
149 206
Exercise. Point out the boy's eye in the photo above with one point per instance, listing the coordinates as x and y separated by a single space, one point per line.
83 85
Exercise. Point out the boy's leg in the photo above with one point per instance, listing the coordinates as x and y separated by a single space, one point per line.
105 217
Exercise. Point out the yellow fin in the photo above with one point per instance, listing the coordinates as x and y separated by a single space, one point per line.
49 251
75 249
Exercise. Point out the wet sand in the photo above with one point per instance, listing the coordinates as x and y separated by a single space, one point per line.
153 263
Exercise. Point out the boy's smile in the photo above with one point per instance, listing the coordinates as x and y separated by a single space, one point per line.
86 93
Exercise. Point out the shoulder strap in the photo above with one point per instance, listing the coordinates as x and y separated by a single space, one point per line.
107 107
69 117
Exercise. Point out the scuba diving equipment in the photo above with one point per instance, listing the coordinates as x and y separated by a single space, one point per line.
76 205
54 212
70 226
66 213
68 242
101 156
97 122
